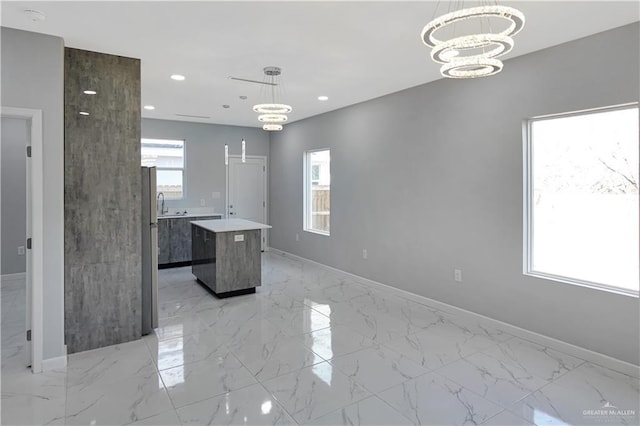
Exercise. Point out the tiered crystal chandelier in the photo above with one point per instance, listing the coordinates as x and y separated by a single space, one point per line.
272 115
473 55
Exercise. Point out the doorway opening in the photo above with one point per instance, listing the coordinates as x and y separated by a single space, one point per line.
22 234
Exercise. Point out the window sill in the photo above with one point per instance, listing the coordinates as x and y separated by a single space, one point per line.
314 231
581 283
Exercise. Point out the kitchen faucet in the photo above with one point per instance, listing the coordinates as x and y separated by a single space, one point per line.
162 210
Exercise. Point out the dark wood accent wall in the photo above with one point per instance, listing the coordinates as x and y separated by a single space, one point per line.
102 200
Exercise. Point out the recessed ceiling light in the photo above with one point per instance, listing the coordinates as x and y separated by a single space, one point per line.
323 98
83 113
177 77
149 107
243 97
89 92
225 106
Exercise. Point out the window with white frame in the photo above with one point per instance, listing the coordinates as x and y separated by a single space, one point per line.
581 198
167 156
317 191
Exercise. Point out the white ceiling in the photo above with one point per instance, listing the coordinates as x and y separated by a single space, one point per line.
349 51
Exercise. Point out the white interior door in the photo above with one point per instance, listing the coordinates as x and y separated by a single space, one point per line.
247 190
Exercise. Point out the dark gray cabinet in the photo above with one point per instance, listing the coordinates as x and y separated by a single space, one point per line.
174 239
163 241
204 255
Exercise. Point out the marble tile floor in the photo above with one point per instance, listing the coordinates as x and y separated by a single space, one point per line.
310 347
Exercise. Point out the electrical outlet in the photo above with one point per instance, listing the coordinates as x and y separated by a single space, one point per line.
202 202
21 251
215 195
364 253
297 237
457 275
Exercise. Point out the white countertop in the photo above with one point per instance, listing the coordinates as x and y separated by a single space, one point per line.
188 215
229 225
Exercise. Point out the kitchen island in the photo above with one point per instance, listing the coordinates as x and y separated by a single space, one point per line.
226 255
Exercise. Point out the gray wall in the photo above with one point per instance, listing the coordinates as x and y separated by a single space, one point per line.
430 179
32 77
102 201
204 170
15 138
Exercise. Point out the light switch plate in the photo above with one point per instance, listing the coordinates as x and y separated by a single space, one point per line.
238 238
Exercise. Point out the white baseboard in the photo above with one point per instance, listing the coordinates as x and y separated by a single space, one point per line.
568 348
55 363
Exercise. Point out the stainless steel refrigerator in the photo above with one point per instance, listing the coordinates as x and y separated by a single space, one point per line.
149 251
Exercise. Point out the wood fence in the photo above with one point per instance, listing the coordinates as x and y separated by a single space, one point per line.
320 208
